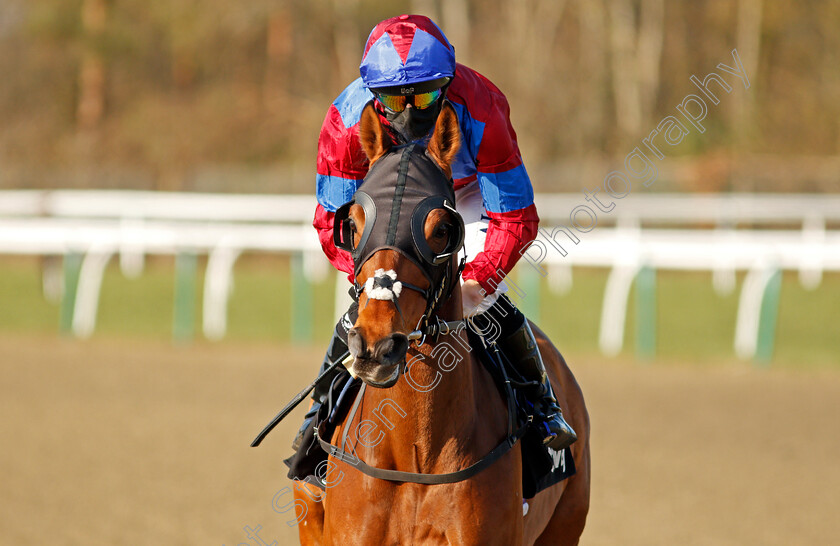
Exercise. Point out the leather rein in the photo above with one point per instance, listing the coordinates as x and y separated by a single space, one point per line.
510 440
433 330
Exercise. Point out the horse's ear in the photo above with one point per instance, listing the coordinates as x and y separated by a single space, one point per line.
375 142
446 139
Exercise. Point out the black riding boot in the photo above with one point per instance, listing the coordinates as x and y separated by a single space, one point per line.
517 342
336 351
521 348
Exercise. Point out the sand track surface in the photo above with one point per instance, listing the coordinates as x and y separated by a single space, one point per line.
119 442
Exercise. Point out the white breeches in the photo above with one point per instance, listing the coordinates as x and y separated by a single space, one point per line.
469 204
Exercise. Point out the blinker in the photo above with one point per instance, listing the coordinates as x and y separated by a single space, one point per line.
398 183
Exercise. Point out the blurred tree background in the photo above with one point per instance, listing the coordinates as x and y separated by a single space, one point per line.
229 96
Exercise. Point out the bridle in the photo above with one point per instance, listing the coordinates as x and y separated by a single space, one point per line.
429 324
423 191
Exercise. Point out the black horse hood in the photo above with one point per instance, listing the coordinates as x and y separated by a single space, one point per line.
397 195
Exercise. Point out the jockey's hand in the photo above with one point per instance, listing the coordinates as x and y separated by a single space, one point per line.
471 295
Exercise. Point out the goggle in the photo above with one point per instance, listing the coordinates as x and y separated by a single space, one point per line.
397 103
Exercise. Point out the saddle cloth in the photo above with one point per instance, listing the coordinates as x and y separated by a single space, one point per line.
542 466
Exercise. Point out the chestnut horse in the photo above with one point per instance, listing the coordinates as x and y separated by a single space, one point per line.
443 414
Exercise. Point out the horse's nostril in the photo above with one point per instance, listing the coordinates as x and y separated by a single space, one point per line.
391 350
355 342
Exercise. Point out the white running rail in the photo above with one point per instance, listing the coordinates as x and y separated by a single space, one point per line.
101 224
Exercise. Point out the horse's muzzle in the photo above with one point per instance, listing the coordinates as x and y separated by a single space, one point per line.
380 366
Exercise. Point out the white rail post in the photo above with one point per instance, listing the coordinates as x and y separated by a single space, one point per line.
87 294
617 291
748 322
132 257
813 237
218 286
614 311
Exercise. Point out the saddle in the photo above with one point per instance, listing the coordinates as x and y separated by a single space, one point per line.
542 467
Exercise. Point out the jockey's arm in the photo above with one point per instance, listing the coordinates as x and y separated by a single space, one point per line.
508 199
341 168
323 223
507 235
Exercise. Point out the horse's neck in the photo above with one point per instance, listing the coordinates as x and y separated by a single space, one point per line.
434 406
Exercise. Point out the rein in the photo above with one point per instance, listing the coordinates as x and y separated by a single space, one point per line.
435 330
510 440
420 477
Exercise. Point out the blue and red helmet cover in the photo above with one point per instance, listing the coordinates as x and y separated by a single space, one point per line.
405 50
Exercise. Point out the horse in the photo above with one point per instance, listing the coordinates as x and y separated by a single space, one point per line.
444 416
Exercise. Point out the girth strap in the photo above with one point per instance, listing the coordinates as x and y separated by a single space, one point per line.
426 479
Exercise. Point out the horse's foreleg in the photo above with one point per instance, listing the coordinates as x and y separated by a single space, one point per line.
311 524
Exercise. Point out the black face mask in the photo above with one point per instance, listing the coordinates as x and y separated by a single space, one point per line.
397 195
413 123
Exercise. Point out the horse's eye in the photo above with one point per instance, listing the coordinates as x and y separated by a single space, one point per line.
442 231
352 225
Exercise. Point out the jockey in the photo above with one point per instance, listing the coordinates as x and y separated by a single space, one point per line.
408 69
